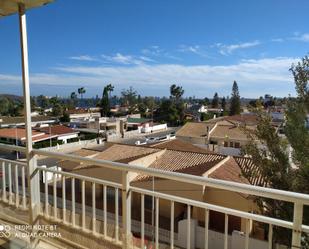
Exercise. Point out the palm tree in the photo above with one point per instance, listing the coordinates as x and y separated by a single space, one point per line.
176 92
73 95
81 91
109 89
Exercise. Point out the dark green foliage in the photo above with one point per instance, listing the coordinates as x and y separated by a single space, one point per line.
65 118
272 157
223 104
176 92
105 102
57 109
215 101
206 116
206 101
88 136
172 110
73 140
47 143
129 99
235 100
10 107
81 91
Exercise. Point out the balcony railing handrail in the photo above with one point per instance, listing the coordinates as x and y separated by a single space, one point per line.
220 209
81 177
20 163
277 194
197 180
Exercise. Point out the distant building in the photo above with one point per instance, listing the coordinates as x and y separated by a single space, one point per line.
144 125
83 113
223 135
97 125
187 162
7 122
17 136
62 132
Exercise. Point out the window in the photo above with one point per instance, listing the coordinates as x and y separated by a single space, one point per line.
226 144
231 144
237 145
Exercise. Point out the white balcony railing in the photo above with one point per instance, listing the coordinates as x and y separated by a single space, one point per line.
117 224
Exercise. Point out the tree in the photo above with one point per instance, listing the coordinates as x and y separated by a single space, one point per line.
150 104
57 110
269 154
206 101
176 92
72 102
73 95
42 101
296 131
215 101
4 106
81 91
168 112
104 104
235 100
33 103
223 104
65 118
129 98
272 159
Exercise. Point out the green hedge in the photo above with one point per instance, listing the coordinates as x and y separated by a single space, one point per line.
88 136
46 143
73 140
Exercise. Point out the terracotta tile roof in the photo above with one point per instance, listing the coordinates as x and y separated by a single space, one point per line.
247 166
235 170
119 152
229 171
42 137
57 129
68 165
228 131
193 129
248 118
180 145
20 134
85 152
200 169
185 162
21 120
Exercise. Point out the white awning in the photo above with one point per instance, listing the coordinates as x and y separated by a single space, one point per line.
9 7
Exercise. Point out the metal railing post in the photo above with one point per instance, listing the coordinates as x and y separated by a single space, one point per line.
297 225
126 210
32 175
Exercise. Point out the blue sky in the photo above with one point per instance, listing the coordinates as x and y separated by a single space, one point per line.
202 45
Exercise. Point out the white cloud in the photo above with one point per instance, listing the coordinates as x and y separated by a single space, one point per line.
229 49
122 59
156 51
83 58
255 77
301 37
194 49
277 40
